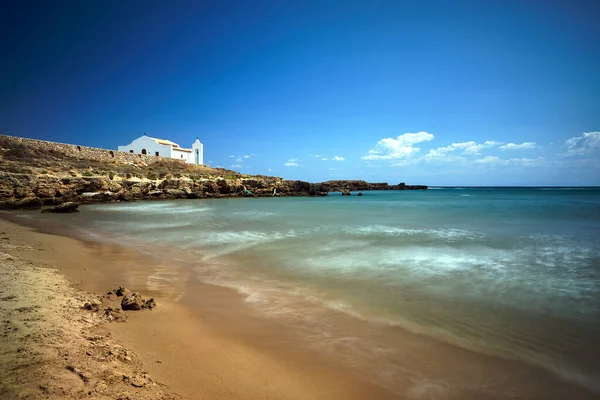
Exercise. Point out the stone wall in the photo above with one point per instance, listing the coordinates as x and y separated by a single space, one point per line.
88 153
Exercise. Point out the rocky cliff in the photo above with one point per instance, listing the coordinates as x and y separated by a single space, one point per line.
35 173
357 185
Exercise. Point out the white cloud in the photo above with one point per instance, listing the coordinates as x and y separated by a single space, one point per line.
581 145
433 157
246 156
401 147
338 158
513 162
239 159
489 160
235 166
292 162
333 169
466 148
324 159
400 163
514 146
527 162
476 148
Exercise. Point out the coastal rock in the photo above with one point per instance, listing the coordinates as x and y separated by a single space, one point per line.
31 175
345 192
176 193
359 194
121 291
135 301
67 207
45 190
92 185
360 185
114 314
30 203
149 304
132 301
138 380
92 305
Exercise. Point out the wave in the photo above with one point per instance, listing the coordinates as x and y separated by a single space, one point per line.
278 299
157 208
450 235
253 215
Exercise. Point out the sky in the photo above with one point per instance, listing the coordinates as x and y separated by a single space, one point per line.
482 92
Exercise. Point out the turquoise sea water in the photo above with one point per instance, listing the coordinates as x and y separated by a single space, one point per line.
513 272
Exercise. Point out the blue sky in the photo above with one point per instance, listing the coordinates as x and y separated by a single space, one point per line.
427 92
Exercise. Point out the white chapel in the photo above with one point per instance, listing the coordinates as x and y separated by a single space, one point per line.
165 148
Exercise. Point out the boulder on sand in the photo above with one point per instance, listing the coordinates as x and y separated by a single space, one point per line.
135 301
67 207
121 291
132 301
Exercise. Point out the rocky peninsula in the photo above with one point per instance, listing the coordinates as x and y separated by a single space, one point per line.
35 173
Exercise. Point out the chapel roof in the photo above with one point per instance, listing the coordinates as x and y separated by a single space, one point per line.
164 141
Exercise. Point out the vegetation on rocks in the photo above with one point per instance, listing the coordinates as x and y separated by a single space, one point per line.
31 178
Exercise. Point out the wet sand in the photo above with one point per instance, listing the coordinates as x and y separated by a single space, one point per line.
176 344
204 341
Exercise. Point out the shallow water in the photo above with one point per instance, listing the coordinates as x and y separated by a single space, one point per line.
511 272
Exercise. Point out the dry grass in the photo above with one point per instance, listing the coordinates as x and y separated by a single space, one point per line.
20 158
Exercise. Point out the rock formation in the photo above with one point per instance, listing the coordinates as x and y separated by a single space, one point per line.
358 185
33 175
67 207
135 301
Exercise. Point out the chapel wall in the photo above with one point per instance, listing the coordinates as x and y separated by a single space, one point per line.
89 153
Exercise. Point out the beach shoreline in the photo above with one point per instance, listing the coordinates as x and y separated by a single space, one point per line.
205 341
54 344
172 342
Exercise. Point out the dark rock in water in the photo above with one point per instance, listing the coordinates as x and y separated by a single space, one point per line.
67 207
359 194
345 192
135 301
132 301
121 291
356 185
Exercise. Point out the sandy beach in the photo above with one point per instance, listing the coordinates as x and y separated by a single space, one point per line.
175 353
204 341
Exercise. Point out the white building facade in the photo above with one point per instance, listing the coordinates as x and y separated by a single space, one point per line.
165 148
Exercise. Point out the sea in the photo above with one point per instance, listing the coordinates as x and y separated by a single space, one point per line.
512 273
